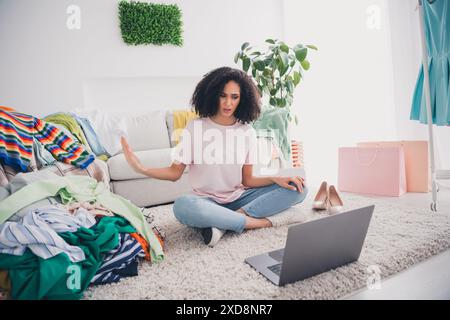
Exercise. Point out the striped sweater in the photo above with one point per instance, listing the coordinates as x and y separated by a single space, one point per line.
16 142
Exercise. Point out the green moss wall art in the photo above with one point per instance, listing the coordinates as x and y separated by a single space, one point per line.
150 23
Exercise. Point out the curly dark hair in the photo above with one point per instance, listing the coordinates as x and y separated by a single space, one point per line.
205 99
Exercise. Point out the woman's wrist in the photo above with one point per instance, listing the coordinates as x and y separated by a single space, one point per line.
140 169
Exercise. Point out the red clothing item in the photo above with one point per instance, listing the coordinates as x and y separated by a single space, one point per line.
144 243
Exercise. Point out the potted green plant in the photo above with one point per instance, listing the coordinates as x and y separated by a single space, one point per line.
277 71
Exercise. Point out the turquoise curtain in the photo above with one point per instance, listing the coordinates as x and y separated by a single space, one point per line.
437 34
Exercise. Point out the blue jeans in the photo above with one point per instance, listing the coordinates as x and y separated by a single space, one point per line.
203 212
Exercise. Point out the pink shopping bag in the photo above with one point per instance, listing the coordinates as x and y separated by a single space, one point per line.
418 177
372 170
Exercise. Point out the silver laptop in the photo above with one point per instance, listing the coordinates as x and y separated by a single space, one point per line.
316 246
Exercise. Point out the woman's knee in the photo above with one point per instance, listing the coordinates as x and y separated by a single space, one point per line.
182 206
185 207
296 196
302 195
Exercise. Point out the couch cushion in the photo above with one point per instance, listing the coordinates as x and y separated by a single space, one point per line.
119 169
149 192
147 131
144 130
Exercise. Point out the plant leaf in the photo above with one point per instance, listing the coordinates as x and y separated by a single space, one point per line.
236 57
273 102
290 86
285 58
280 65
312 47
262 80
297 78
300 54
270 41
281 102
298 47
267 61
284 48
260 66
245 64
244 45
305 64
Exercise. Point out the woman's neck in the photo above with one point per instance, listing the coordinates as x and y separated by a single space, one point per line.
224 121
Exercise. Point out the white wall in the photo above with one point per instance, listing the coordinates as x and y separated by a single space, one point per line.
347 95
44 65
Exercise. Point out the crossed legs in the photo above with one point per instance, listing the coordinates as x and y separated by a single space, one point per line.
247 212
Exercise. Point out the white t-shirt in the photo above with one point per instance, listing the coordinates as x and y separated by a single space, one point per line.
215 155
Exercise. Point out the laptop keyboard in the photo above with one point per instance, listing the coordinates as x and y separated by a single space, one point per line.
276 268
277 255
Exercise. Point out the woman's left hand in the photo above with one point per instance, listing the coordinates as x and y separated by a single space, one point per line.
299 182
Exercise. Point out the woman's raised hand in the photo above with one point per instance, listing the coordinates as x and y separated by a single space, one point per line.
131 158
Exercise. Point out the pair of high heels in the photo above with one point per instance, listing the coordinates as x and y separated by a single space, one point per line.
327 198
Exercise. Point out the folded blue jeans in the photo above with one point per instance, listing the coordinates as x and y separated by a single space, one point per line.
203 212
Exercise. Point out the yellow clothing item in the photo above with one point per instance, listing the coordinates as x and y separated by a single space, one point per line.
103 157
180 119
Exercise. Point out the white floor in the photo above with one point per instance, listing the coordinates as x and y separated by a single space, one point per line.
428 280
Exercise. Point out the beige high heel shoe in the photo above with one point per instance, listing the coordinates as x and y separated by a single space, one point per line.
334 203
321 198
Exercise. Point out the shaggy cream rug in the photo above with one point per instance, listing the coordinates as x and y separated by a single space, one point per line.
398 237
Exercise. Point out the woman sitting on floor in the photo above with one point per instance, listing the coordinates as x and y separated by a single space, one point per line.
225 194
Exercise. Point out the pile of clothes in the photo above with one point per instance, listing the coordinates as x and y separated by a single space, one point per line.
60 234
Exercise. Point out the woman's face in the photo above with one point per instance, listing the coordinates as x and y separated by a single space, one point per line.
229 99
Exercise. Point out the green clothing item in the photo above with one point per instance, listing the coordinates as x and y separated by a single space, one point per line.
35 278
276 120
82 189
70 124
